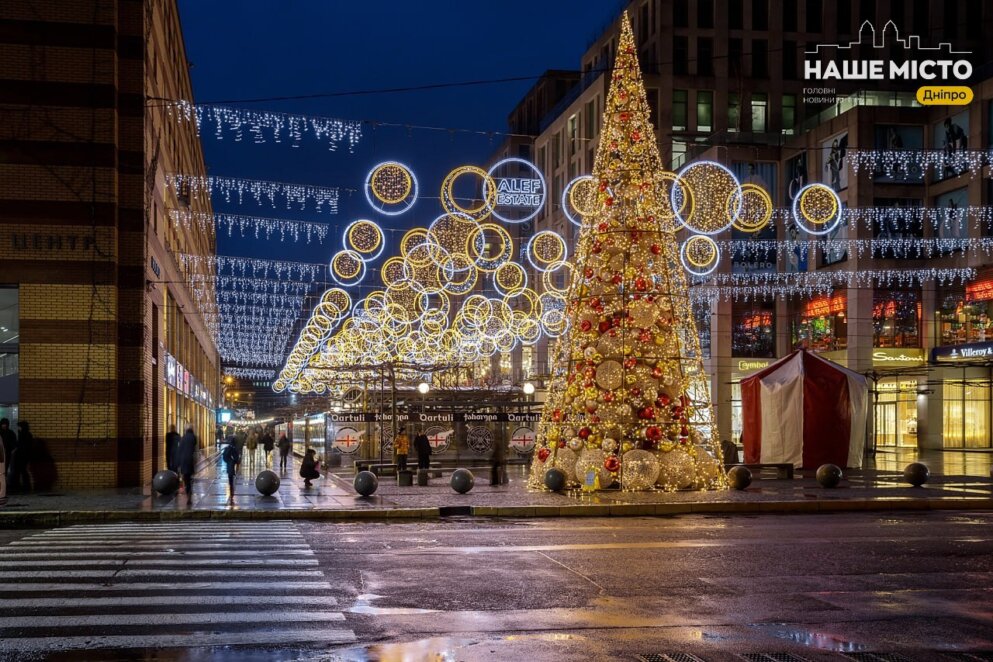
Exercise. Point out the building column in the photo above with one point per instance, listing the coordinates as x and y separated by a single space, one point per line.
720 360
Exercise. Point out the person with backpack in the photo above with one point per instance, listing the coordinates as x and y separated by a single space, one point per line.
232 458
284 451
310 468
267 445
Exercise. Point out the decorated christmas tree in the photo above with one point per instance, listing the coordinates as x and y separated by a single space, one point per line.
630 402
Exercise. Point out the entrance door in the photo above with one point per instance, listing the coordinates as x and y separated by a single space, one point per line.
885 415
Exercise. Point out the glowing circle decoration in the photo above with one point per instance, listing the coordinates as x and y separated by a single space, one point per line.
510 278
365 238
471 206
756 209
546 248
706 197
699 255
347 268
489 246
391 188
520 190
579 199
817 209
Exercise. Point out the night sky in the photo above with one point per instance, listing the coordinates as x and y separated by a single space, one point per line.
260 48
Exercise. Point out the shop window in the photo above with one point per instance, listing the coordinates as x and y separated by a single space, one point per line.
896 318
10 338
966 414
753 330
895 413
965 314
760 114
821 324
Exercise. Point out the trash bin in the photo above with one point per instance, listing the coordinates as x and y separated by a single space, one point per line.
405 478
422 477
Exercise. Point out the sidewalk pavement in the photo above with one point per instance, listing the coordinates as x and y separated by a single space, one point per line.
959 480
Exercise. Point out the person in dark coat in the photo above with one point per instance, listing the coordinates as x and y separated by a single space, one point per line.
498 464
186 460
9 443
284 451
172 448
232 458
309 467
268 443
423 449
20 479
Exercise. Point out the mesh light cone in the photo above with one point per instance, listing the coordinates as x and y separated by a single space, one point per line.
630 401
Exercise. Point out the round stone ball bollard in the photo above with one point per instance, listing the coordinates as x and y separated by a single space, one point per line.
366 483
267 482
829 475
555 479
916 474
165 482
739 477
462 480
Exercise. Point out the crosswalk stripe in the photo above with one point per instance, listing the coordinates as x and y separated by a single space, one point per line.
262 599
187 618
143 545
165 552
174 586
121 562
102 540
125 573
186 640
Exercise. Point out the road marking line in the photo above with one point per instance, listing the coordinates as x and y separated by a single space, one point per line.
120 563
174 586
168 600
166 553
189 640
188 618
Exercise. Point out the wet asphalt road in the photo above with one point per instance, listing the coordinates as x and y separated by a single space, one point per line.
827 587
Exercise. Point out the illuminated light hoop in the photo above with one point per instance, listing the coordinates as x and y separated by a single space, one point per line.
432 237
569 199
464 286
349 240
448 195
490 179
693 266
730 209
338 298
547 277
343 278
392 271
412 239
669 215
749 190
563 251
404 202
801 212
488 264
505 289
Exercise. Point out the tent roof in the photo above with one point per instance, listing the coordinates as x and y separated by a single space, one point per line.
808 360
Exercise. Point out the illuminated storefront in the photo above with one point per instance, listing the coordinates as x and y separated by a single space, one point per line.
753 330
962 375
821 325
895 410
896 316
965 314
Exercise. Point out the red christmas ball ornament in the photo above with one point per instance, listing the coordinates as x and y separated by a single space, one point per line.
603 326
645 336
635 391
630 362
608 396
562 443
557 415
665 396
656 249
584 433
609 202
653 433
617 279
657 372
591 407
612 464
646 413
586 325
640 284
625 116
602 227
684 431
603 185
543 454
636 136
587 273
595 419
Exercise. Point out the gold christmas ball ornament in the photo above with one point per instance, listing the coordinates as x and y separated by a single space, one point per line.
639 470
676 470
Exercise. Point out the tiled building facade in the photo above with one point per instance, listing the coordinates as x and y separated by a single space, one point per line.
87 277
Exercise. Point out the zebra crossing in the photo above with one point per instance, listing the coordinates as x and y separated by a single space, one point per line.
161 585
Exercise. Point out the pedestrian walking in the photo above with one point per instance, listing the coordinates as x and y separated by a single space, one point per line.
402 447
267 445
9 444
232 458
186 458
284 451
310 468
252 445
498 463
172 448
21 458
423 449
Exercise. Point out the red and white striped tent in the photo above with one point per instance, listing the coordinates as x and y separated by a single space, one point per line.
806 411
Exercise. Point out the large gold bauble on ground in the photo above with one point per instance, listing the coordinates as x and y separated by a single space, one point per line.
639 470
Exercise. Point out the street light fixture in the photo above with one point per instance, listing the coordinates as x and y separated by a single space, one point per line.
423 388
528 388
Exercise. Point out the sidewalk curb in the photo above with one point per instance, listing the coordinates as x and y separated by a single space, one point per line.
12 520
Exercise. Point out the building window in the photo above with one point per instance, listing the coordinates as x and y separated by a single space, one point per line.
895 413
844 10
922 18
527 362
10 338
735 49
867 11
814 10
681 13
705 13
789 114
790 16
573 135
704 111
965 314
821 324
678 154
965 414
680 55
679 110
736 13
753 332
896 318
734 112
705 56
760 114
760 14
760 58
